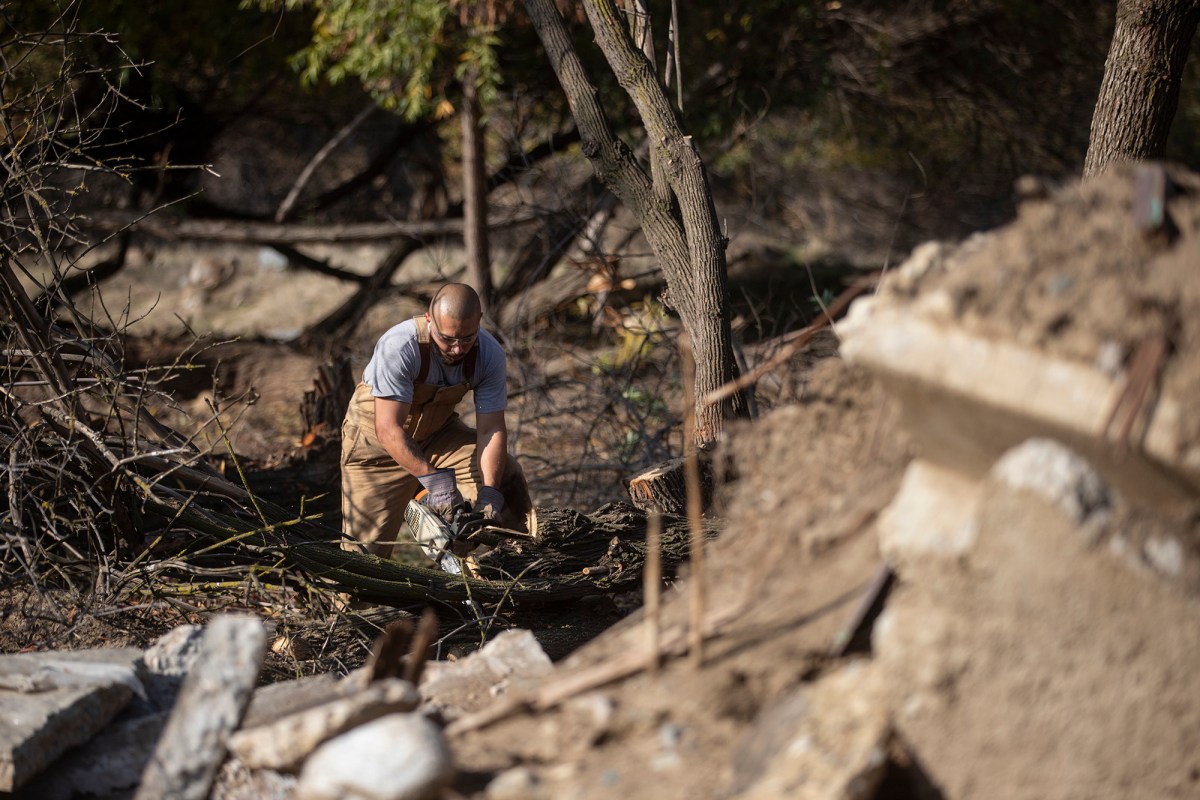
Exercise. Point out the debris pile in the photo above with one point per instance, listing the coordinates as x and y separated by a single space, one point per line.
184 719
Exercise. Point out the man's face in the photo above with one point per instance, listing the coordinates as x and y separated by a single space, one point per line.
453 338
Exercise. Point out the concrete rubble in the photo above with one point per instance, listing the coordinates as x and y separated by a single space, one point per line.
1021 604
184 719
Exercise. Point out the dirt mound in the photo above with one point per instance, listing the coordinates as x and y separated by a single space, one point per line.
790 569
1045 652
1090 273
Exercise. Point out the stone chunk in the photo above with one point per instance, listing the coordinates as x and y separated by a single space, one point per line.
106 764
175 652
53 701
475 681
285 743
1057 475
827 740
933 514
277 700
210 706
397 757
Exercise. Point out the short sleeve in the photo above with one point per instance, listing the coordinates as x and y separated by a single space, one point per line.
395 363
491 388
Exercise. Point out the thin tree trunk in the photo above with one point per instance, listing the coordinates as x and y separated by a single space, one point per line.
1142 75
475 234
684 234
643 38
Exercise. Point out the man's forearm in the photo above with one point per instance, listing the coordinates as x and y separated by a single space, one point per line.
406 452
493 453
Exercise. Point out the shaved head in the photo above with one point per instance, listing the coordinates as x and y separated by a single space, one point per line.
454 316
455 301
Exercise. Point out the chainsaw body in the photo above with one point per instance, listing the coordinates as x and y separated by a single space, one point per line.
447 541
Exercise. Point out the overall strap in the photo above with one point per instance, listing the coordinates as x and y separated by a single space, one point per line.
469 365
423 347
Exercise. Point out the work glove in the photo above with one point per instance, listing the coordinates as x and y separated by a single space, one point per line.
489 503
442 495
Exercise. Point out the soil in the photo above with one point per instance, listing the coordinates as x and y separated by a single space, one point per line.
798 494
1073 274
1083 275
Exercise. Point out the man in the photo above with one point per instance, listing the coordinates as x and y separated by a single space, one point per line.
402 434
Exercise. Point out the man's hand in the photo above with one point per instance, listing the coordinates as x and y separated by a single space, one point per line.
490 502
443 496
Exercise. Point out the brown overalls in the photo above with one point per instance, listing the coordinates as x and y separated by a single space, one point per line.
376 490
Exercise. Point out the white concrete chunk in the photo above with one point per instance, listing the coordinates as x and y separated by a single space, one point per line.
54 701
968 399
275 701
397 757
285 743
826 740
1056 474
108 763
475 681
175 651
932 515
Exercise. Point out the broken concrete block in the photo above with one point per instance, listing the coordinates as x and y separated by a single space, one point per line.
284 744
1058 475
932 515
54 701
824 740
210 706
236 781
175 652
948 379
397 757
474 682
1042 642
39 672
278 700
107 763
166 664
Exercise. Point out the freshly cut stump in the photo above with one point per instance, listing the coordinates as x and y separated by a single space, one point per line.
663 488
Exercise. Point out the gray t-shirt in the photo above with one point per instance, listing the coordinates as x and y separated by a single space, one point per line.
397 361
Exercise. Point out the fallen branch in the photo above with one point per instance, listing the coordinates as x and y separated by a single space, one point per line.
795 344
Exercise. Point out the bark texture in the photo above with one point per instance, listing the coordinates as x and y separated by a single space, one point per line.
475 233
681 226
1142 75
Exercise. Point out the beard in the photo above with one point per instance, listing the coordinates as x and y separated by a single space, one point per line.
449 359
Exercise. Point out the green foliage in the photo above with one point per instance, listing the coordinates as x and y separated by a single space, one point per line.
407 53
639 332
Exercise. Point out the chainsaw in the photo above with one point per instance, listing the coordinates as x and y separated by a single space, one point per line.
447 541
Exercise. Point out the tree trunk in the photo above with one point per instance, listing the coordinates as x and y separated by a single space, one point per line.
643 38
1142 76
475 234
682 230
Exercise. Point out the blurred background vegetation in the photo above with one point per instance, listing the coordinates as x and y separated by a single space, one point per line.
837 134
968 95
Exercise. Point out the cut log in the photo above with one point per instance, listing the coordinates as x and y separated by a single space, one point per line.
607 547
663 487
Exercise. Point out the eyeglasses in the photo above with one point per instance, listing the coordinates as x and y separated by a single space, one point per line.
464 342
